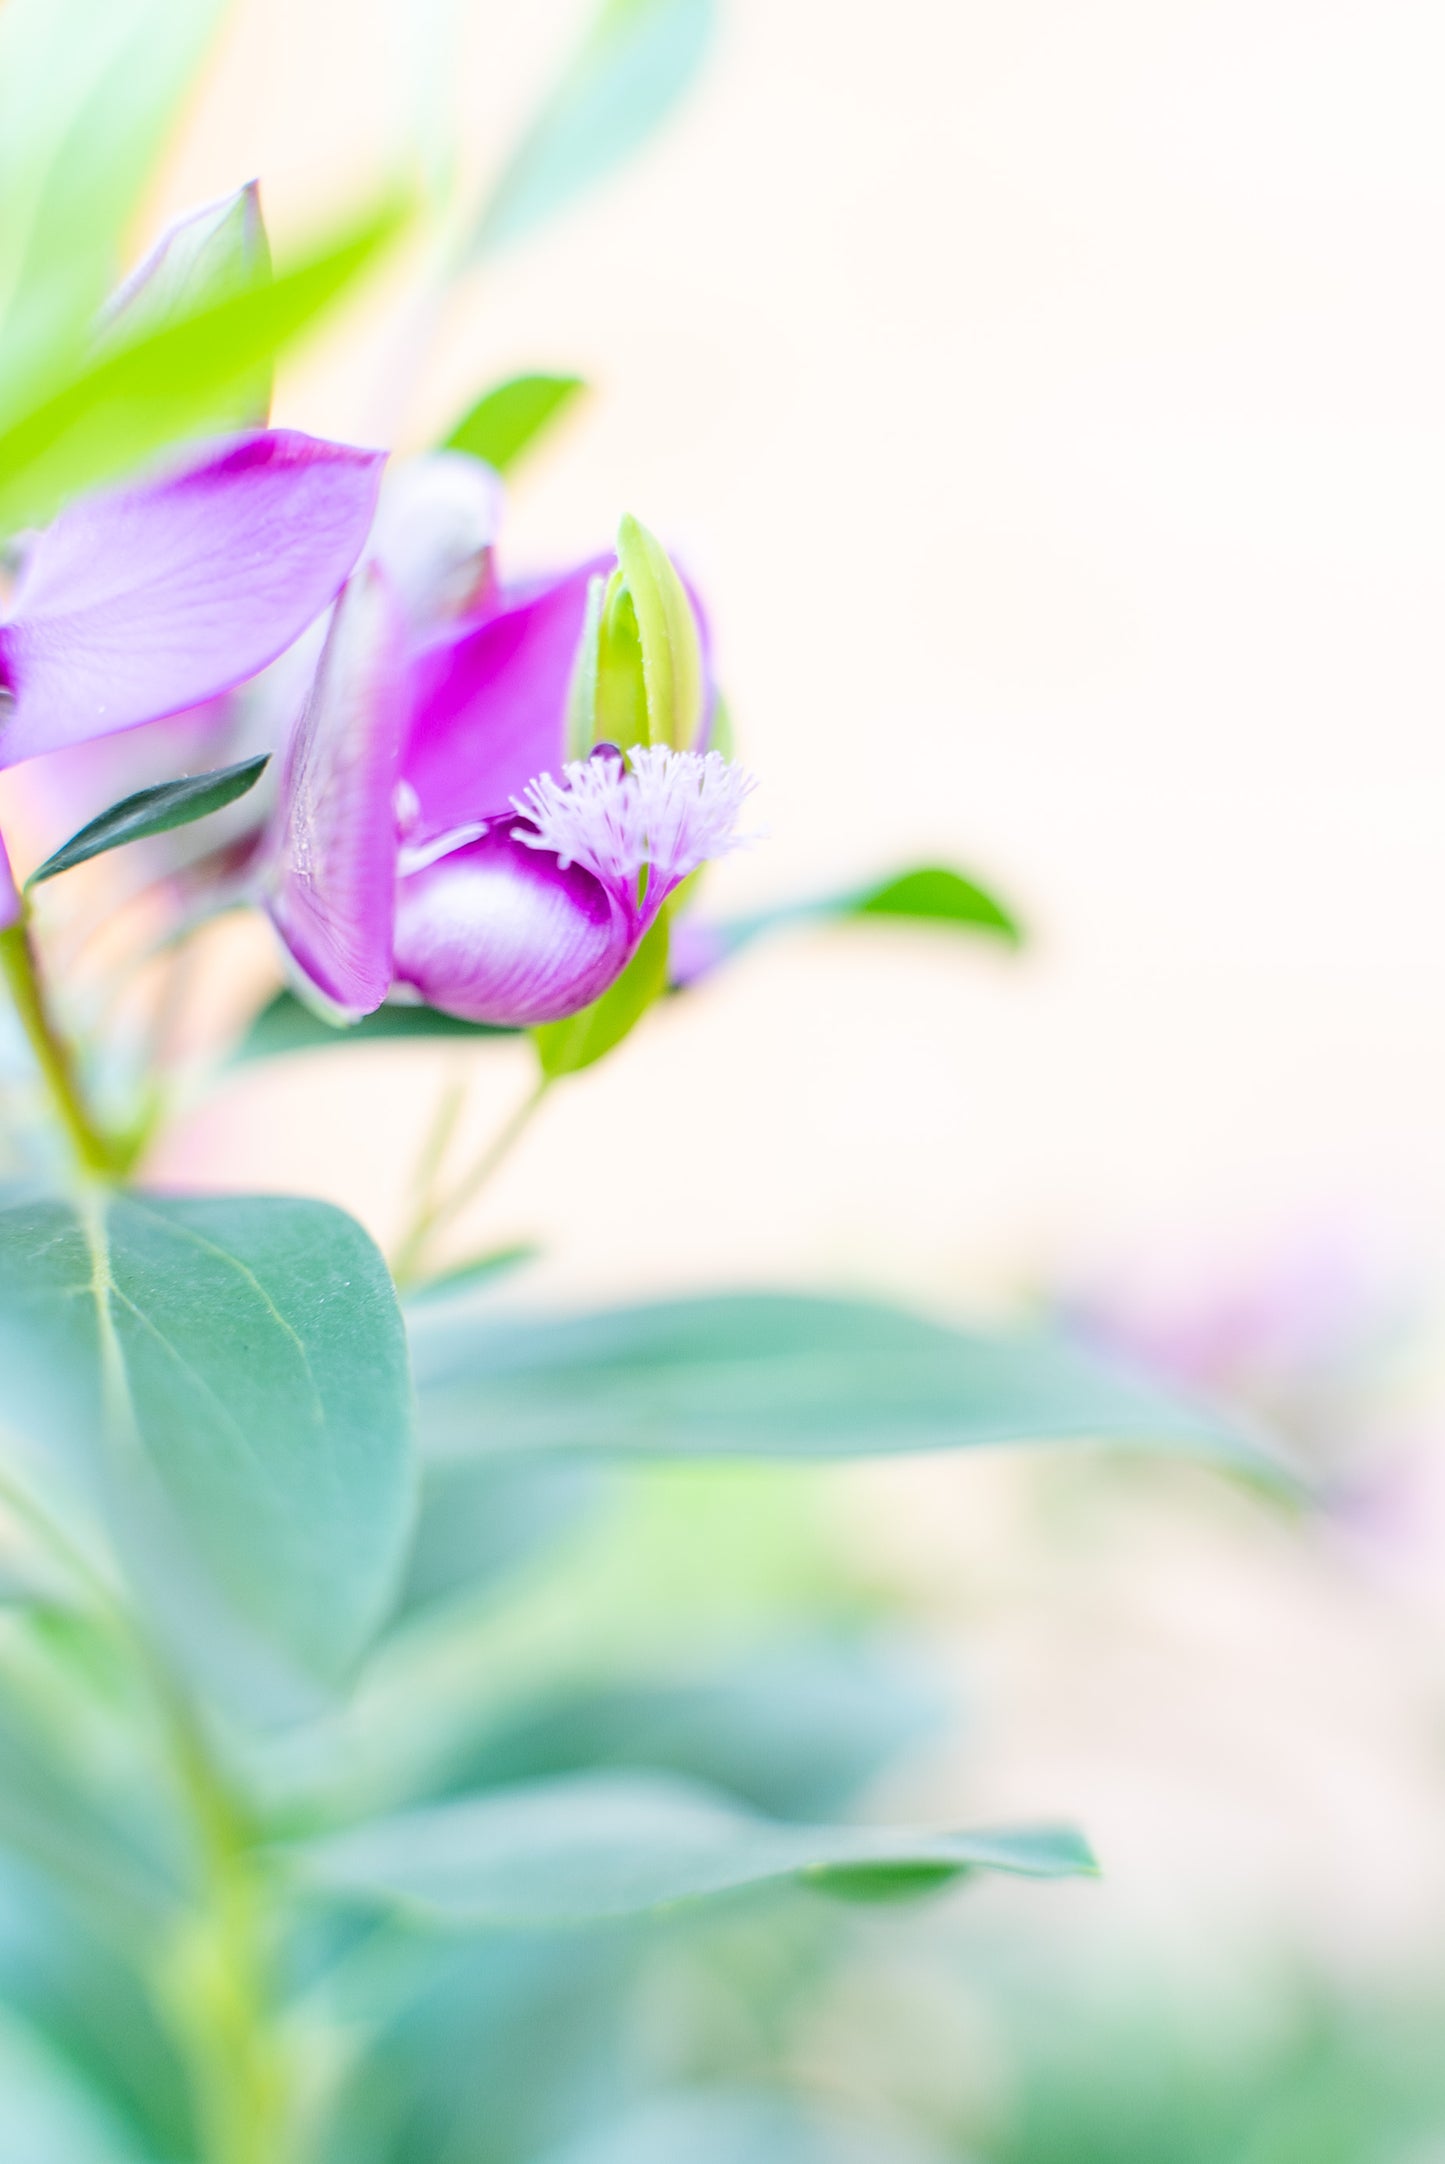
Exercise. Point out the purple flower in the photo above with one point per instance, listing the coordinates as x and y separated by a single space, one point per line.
434 838
143 601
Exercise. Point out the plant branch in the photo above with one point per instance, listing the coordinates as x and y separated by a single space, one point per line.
434 1217
96 1152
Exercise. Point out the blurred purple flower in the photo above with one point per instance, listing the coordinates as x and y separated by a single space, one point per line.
9 896
434 837
144 601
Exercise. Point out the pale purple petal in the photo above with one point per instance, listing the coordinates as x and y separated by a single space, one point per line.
436 526
495 932
142 601
331 871
204 256
695 948
491 705
9 897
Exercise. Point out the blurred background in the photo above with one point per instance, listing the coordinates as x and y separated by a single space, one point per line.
1047 400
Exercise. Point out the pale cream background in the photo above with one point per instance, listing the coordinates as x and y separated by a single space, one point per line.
1048 397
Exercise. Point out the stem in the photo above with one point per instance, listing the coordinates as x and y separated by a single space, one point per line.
94 1151
221 1984
434 1218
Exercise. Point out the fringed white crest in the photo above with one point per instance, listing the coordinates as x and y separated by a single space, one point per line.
662 811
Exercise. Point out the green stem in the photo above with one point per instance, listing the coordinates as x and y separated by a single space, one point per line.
95 1152
409 1267
221 1985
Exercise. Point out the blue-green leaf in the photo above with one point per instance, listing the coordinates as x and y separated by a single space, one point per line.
795 1729
157 810
225 1379
634 64
508 419
598 1846
774 1375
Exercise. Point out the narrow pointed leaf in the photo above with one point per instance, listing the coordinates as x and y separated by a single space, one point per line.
158 810
507 420
594 1847
776 1375
634 64
224 1380
929 894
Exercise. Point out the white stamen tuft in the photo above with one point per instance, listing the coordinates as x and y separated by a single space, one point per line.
665 810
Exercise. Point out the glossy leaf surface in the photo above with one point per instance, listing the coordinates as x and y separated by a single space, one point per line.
158 810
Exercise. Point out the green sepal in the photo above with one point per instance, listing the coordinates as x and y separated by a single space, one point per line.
565 1048
671 647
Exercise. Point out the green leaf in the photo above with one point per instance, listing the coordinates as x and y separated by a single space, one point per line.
507 420
478 1524
226 1379
287 1024
794 1729
153 811
667 629
634 64
934 894
776 1375
48 2115
598 1846
737 2126
174 382
217 251
929 894
567 1047
88 89
95 2008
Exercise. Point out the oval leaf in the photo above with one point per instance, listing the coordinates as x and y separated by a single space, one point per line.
226 1378
154 811
547 1854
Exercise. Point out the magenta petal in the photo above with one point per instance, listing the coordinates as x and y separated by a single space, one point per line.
142 601
491 705
496 932
331 871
